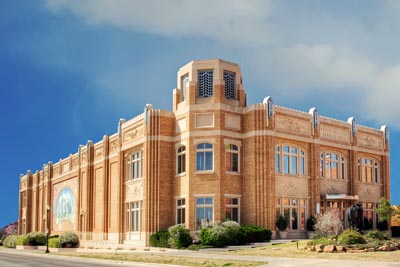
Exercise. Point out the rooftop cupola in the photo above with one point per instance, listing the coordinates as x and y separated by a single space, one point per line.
209 81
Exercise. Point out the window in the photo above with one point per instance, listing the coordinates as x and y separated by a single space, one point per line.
368 170
181 160
232 206
185 86
205 83
369 215
24 199
133 214
229 78
290 160
333 166
204 211
180 211
204 160
134 165
231 158
294 210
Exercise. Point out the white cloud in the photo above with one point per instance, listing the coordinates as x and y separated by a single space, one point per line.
251 27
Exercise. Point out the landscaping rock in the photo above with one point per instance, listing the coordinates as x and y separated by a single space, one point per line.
330 249
340 249
319 248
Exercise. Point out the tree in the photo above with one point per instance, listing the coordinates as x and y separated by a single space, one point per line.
385 210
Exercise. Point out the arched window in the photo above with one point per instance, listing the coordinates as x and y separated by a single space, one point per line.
229 78
333 166
290 160
231 158
134 165
205 83
368 170
181 160
204 157
185 85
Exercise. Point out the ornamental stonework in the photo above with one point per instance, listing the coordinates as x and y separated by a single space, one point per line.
333 187
98 152
114 146
134 190
334 134
205 120
370 141
369 193
291 186
293 125
133 133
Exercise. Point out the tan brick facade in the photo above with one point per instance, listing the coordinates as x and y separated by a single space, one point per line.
242 162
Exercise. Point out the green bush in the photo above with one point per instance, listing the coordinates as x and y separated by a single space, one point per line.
323 241
282 222
36 239
160 239
350 237
54 242
69 240
376 235
22 240
10 241
252 233
310 223
179 236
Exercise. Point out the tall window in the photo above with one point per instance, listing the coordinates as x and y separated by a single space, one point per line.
368 170
133 214
232 207
134 165
180 211
204 211
231 158
229 78
204 154
332 166
24 199
294 210
369 215
185 85
205 83
181 160
290 160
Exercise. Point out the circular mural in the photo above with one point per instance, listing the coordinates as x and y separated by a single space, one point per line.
65 206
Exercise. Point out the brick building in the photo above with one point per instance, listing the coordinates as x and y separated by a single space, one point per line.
212 158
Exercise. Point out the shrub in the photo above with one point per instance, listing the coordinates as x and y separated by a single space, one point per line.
36 239
22 240
69 240
252 233
377 235
323 241
310 223
54 242
10 241
281 222
179 236
350 237
160 239
329 224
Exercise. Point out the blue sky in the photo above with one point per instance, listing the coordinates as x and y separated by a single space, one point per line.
70 69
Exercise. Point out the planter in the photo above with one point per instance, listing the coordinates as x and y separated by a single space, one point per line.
283 234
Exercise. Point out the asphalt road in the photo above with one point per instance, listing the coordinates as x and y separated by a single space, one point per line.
9 258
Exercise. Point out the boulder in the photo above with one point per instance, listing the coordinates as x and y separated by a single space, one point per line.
340 249
319 248
329 249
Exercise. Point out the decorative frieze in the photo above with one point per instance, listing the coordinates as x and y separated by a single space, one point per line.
292 186
333 187
134 190
369 192
293 125
98 153
114 146
133 134
334 134
370 141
